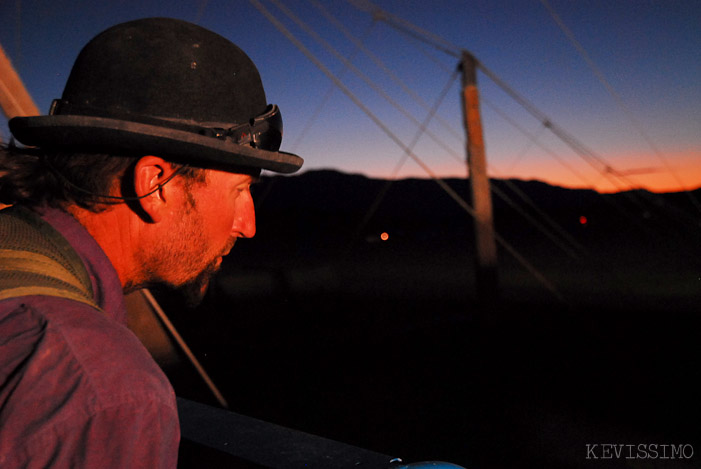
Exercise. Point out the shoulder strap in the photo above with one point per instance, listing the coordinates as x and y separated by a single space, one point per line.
35 259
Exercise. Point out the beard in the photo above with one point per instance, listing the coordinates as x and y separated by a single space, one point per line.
177 262
194 291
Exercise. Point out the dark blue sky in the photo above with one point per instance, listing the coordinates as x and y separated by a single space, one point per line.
646 52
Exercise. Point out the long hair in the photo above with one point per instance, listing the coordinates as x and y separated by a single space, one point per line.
33 177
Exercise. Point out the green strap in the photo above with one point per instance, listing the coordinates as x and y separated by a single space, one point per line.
35 259
46 291
34 263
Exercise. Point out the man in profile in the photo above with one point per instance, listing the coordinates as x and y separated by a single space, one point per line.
139 175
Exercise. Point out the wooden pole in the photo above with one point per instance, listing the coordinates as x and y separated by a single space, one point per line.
156 308
485 244
14 99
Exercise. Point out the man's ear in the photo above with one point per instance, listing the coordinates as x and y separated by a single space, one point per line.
151 174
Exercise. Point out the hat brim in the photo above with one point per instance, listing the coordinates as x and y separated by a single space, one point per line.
102 133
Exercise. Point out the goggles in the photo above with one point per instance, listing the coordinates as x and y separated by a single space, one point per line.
263 132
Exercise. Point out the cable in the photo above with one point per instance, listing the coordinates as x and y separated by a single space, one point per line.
408 28
454 195
328 93
358 72
542 228
163 317
598 163
589 156
381 195
546 124
619 100
535 141
377 61
74 186
200 11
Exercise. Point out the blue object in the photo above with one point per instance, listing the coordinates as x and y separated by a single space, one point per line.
430 465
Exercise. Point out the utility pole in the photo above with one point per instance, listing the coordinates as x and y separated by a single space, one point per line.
14 99
485 244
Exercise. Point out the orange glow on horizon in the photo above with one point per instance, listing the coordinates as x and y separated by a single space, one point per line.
675 172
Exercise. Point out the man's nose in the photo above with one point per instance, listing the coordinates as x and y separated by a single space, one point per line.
245 219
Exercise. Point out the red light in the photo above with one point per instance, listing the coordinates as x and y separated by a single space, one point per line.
582 220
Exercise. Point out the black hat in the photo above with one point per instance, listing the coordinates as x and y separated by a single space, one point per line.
164 87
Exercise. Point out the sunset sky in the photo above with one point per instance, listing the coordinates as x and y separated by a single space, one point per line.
619 77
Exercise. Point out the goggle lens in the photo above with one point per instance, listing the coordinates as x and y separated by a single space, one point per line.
263 132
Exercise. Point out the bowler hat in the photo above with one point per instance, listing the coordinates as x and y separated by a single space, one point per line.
164 87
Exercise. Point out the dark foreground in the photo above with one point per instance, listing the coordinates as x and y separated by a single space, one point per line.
518 385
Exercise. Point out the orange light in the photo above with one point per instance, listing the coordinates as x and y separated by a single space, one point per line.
582 220
384 236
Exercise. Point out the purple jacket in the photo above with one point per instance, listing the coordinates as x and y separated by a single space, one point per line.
77 388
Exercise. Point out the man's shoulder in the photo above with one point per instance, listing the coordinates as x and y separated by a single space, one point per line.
71 380
65 348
